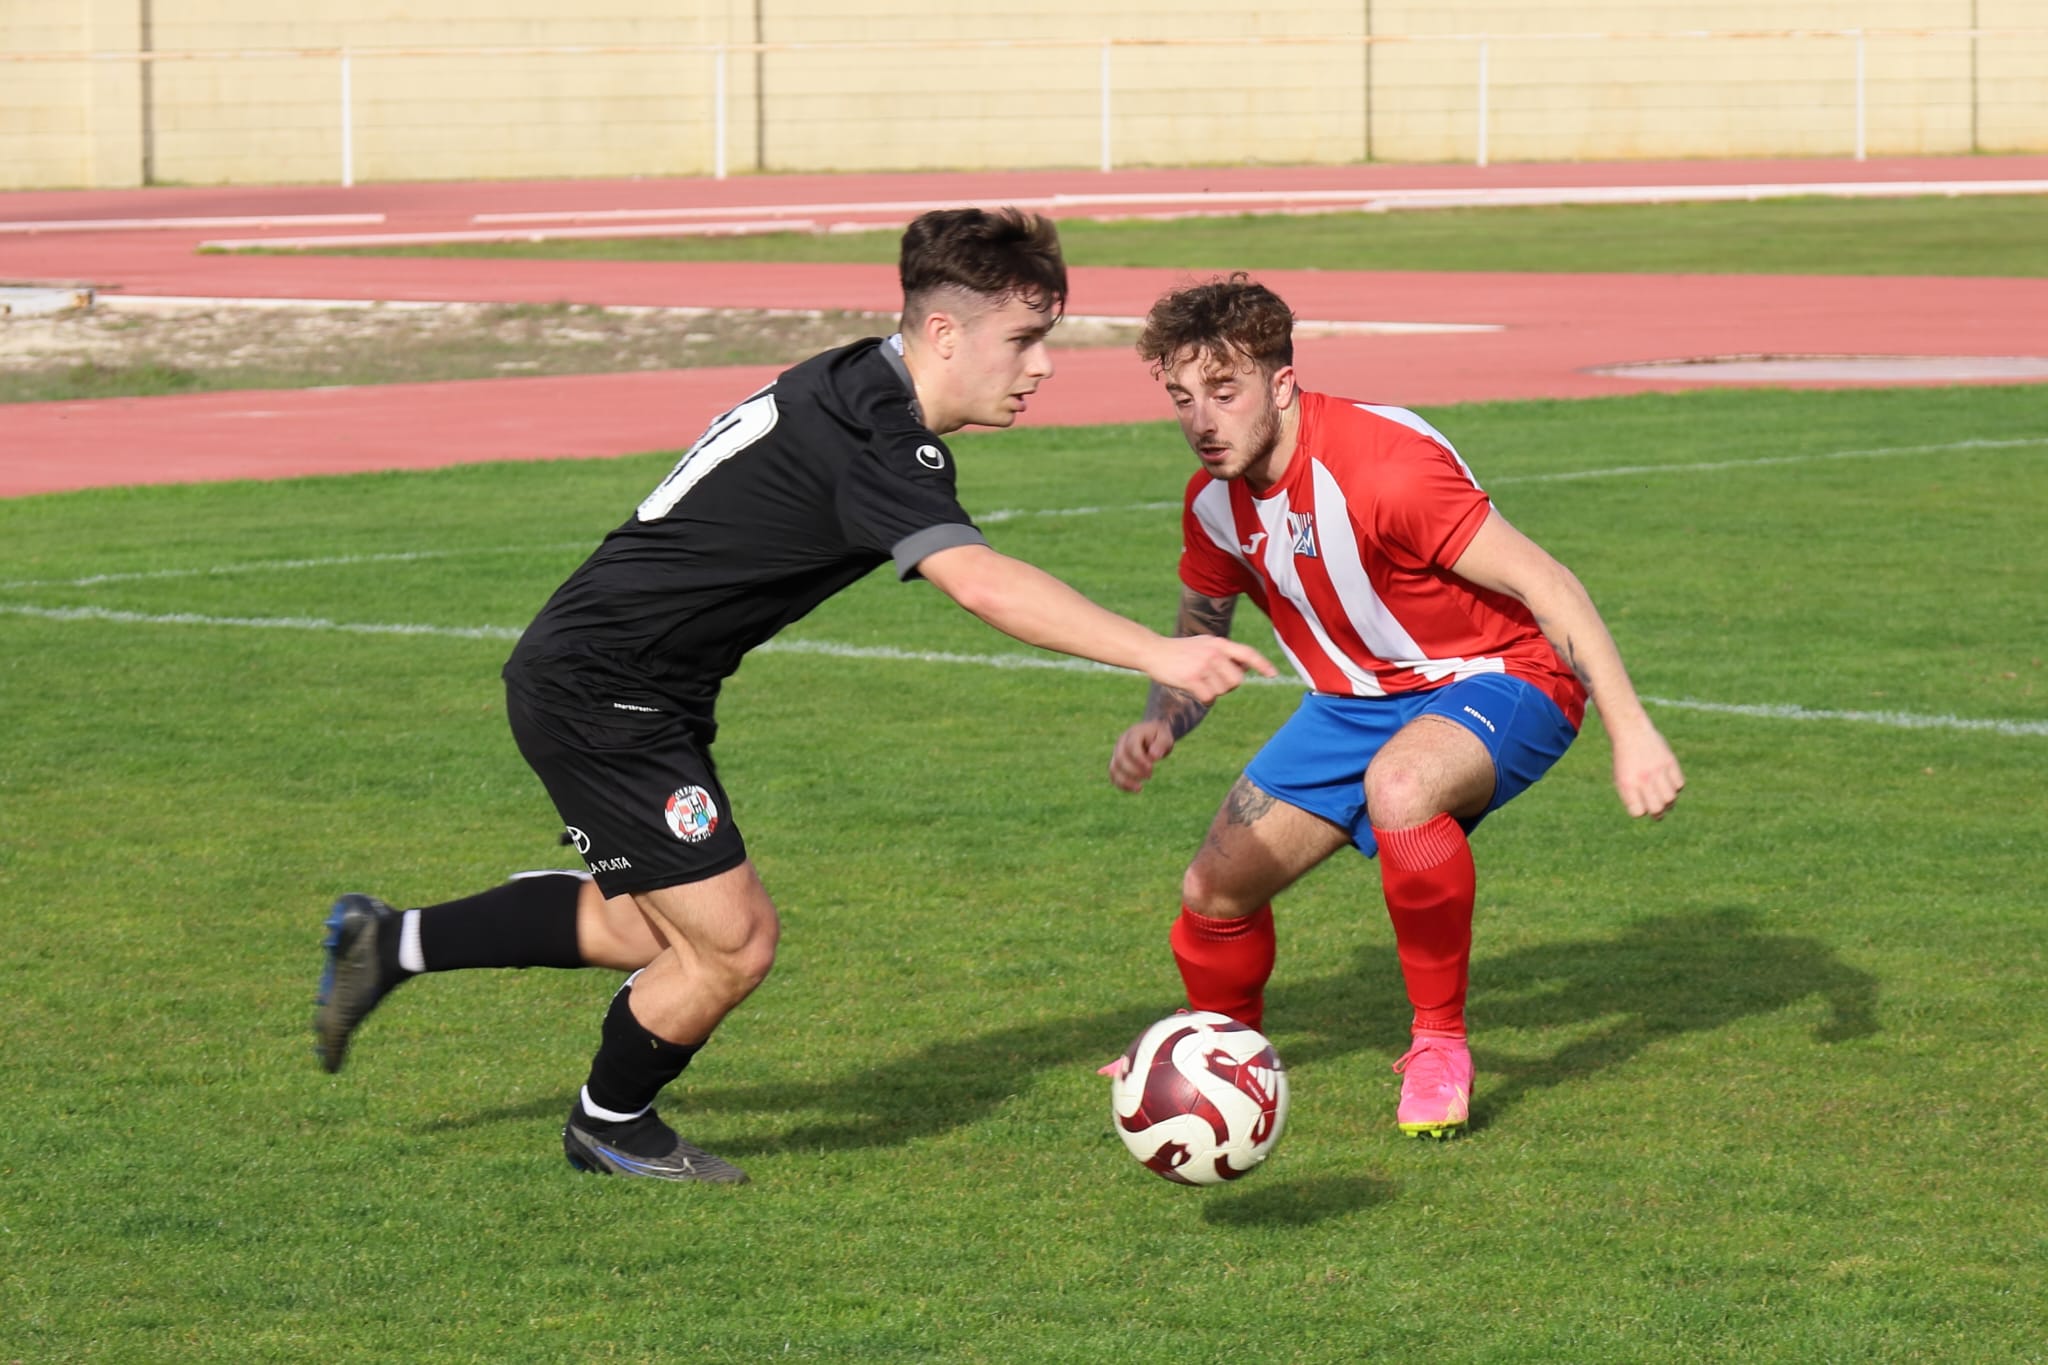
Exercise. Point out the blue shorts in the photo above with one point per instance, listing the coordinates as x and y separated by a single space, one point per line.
1317 760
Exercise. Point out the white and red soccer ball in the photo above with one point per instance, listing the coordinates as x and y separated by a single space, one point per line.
1201 1100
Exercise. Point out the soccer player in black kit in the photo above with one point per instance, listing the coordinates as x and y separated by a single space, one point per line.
836 468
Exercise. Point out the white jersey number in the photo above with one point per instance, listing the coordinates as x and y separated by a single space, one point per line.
726 437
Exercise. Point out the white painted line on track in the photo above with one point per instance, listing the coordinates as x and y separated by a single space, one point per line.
729 228
1224 201
1895 720
178 303
855 215
32 225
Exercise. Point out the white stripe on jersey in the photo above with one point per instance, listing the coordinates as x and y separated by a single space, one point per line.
1219 523
1270 556
1369 616
1383 634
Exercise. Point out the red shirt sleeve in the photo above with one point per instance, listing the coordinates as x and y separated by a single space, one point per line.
1204 565
1428 508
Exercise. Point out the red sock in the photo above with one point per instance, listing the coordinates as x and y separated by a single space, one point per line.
1224 963
1430 885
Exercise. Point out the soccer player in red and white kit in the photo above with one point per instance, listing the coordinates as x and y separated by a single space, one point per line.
1449 660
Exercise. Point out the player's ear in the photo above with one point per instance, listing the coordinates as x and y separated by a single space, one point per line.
941 333
1284 387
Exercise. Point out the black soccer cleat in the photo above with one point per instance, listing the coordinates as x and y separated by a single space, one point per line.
355 977
680 1161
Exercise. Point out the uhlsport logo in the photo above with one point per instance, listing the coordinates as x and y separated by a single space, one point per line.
691 814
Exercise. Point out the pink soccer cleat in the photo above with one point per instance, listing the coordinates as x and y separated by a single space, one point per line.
1436 1086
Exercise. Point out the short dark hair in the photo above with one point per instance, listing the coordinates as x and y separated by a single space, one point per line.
1222 319
998 254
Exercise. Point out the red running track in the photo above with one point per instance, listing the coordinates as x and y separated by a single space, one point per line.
1553 330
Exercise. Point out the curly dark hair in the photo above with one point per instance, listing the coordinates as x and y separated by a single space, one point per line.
1222 319
998 254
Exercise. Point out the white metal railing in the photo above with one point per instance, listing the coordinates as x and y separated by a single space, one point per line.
720 55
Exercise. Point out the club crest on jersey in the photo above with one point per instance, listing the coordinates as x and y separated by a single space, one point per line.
691 814
1301 529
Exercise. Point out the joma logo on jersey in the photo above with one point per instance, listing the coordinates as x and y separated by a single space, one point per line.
1301 529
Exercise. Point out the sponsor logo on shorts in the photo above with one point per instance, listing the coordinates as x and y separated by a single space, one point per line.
1481 719
619 864
931 457
578 838
691 814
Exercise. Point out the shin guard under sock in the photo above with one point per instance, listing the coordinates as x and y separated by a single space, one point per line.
1224 963
1430 885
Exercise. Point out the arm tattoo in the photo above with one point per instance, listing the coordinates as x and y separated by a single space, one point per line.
1568 651
1199 615
1571 657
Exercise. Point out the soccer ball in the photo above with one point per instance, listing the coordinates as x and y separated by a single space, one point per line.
1202 1100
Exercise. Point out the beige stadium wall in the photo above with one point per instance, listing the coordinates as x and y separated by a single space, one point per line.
250 91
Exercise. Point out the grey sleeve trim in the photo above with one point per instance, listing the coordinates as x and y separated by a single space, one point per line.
914 547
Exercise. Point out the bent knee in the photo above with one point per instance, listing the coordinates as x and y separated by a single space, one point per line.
1205 890
748 965
1396 796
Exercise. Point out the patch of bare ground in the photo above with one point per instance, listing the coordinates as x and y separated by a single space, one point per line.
133 346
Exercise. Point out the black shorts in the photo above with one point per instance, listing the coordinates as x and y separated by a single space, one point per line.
636 790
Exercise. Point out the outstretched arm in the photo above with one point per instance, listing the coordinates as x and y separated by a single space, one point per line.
1029 604
1169 712
1646 773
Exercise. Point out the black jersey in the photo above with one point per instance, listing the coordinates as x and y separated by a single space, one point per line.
787 498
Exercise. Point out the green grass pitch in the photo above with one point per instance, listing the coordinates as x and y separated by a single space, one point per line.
1761 1083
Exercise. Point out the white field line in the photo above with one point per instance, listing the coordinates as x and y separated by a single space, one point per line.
1895 720
1007 514
1769 461
1888 719
280 565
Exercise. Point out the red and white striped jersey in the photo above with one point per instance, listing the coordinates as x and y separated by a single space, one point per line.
1350 555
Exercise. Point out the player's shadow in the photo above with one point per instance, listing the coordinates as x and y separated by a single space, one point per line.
1658 978
1669 975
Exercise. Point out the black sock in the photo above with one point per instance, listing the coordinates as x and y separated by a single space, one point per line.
631 1066
529 921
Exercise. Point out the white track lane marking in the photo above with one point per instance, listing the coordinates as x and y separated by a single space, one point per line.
871 215
1895 720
